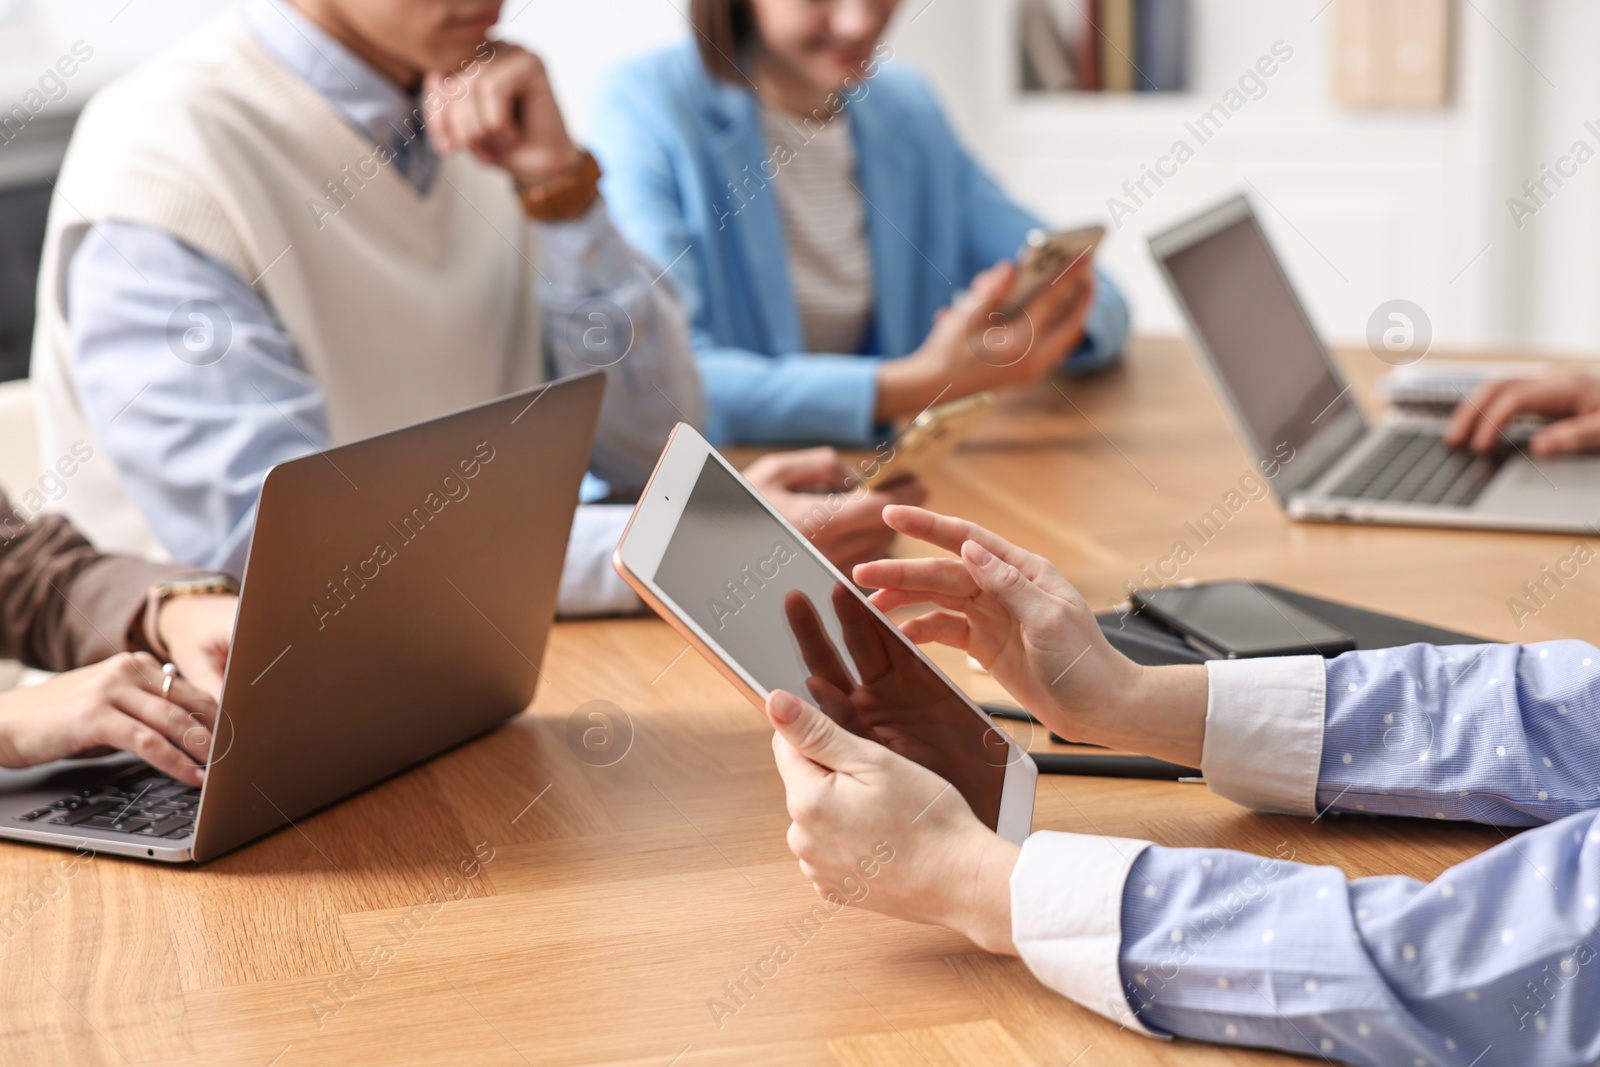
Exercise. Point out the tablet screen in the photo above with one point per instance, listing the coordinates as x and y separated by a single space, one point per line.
773 607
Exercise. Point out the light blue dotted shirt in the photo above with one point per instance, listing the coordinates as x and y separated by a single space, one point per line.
1494 962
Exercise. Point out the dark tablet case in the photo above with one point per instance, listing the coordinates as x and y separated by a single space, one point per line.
1146 641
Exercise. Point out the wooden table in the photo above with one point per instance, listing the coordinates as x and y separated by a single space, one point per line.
590 913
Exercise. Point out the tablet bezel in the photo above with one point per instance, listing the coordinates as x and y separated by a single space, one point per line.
644 542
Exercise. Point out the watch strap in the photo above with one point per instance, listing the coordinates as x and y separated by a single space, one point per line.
161 592
565 196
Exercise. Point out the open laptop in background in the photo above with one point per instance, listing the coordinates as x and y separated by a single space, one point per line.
396 602
1289 399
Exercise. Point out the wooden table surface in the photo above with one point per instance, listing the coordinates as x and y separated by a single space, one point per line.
529 900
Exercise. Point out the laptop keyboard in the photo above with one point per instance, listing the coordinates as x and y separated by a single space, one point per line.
143 802
1417 467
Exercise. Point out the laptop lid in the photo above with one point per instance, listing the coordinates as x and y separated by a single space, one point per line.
396 602
1275 373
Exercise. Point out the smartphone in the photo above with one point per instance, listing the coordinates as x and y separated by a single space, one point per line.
1044 257
928 438
1240 620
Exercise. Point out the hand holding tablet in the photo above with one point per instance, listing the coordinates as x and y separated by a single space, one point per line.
883 833
718 562
896 702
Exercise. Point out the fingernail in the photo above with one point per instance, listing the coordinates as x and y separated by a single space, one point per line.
976 554
784 707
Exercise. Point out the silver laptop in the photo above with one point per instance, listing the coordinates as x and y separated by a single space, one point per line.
396 603
1289 400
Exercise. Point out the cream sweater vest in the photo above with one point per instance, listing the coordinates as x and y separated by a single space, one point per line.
402 306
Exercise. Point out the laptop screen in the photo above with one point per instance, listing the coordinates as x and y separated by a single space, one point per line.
1264 347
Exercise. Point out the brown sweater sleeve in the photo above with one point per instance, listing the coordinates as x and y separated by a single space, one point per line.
62 604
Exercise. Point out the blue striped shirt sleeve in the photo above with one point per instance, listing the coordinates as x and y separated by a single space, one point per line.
1492 962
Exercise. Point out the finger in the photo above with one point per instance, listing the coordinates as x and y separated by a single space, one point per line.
193 700
181 729
482 102
498 103
1031 605
1503 405
1544 396
142 673
1064 292
438 125
926 575
815 736
950 533
835 704
796 771
1062 334
992 287
139 669
1581 434
129 734
459 115
863 636
1465 417
816 647
939 628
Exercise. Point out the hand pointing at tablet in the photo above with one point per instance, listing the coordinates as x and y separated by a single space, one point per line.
1030 628
1016 615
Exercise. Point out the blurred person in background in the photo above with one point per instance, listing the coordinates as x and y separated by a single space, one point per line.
315 221
813 204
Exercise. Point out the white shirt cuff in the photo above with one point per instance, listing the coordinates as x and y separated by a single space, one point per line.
1264 724
1066 917
589 584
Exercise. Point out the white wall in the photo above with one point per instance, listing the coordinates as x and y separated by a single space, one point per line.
1364 207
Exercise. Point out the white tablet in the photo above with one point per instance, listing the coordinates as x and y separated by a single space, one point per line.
745 588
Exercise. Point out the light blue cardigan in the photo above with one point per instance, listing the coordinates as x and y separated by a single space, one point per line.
683 158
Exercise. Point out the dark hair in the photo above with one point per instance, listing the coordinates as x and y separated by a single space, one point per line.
722 29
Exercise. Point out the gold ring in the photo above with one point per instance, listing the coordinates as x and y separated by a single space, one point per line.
169 671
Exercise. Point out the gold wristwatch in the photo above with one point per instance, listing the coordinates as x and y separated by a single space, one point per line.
565 196
161 592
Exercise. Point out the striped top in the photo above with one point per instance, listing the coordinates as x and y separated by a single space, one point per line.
824 221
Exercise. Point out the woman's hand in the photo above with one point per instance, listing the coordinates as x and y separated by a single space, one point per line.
985 341
825 502
1573 400
874 830
1017 616
115 704
197 632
